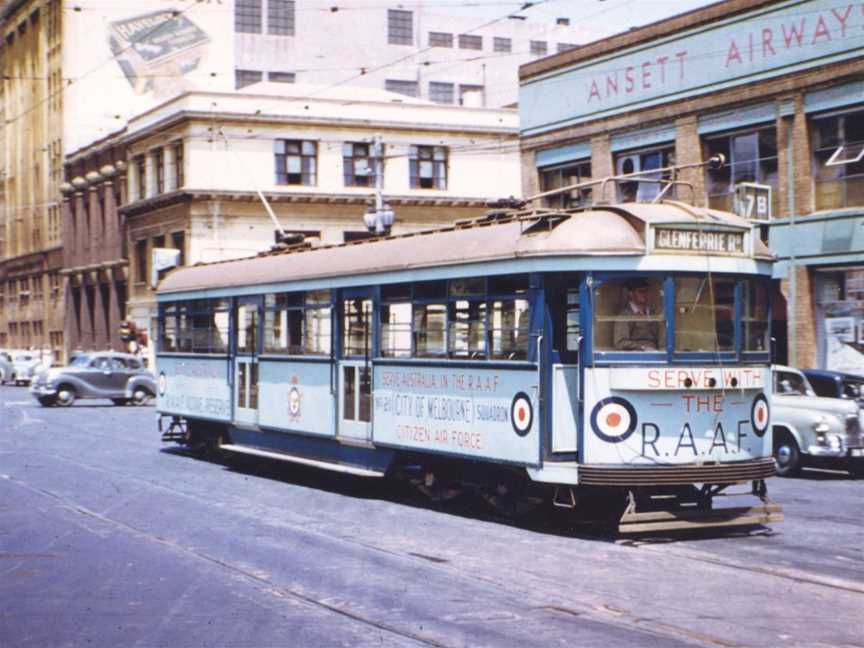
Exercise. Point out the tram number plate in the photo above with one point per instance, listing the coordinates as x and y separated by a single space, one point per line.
856 452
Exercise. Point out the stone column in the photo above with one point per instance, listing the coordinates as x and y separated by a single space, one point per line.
112 248
68 224
96 235
100 326
602 167
79 254
688 150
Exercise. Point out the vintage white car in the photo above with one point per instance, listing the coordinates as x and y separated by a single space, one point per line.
810 430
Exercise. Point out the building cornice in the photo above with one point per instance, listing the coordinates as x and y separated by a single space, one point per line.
186 196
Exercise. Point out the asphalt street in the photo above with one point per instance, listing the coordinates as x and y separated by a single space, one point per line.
109 537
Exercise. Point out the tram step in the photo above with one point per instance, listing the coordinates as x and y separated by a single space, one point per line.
170 435
699 519
283 456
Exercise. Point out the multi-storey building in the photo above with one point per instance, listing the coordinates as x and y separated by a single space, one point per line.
405 48
778 88
31 310
198 165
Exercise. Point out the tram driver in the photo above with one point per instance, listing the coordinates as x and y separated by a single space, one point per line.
638 328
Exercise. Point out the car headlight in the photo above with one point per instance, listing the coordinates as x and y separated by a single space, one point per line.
821 427
835 442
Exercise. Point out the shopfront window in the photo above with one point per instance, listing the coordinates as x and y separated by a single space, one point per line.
750 157
647 186
564 176
838 160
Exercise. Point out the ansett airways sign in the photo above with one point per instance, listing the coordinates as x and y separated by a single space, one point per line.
769 42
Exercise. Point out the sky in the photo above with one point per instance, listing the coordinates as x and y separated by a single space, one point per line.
601 18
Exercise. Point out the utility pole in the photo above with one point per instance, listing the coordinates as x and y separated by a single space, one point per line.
379 218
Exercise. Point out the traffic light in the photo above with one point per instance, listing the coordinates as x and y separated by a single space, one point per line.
127 331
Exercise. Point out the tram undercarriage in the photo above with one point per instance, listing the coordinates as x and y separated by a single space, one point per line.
646 504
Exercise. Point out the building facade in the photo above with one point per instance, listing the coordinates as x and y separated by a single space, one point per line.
95 257
31 305
777 87
409 49
198 165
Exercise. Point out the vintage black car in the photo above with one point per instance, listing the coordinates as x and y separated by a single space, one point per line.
120 377
834 384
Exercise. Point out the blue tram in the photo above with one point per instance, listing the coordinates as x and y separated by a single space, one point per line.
613 360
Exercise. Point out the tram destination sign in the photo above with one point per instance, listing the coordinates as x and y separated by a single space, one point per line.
698 240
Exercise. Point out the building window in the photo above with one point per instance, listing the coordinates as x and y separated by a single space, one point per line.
441 92
282 77
159 165
471 95
280 17
440 39
838 160
141 177
648 186
243 78
247 16
563 47
141 261
750 157
564 176
470 41
179 175
538 48
178 242
504 45
428 167
296 162
400 27
358 164
407 88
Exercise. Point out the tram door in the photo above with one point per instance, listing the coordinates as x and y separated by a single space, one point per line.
247 319
355 367
563 295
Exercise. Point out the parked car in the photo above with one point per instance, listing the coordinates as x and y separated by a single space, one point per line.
811 430
7 370
120 377
834 384
24 365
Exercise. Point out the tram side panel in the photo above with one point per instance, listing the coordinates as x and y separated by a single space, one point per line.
297 396
487 414
196 388
676 415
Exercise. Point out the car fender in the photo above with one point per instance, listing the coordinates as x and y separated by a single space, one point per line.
142 380
82 389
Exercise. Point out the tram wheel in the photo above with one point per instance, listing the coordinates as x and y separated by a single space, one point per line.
787 456
510 496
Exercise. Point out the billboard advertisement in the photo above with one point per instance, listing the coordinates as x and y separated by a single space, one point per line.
121 59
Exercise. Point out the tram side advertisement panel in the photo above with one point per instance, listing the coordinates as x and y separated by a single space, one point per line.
193 387
676 415
480 413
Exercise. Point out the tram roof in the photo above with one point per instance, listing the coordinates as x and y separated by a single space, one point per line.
617 230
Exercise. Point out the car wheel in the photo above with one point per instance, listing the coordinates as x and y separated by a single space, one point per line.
787 456
119 401
65 396
141 397
46 401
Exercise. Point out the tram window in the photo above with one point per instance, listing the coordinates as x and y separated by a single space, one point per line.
574 328
704 314
467 329
756 323
396 330
168 339
430 290
430 322
221 319
396 293
464 287
508 285
628 315
508 329
247 328
283 320
316 322
184 328
356 332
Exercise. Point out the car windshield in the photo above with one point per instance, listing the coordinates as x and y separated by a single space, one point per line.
80 361
790 383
